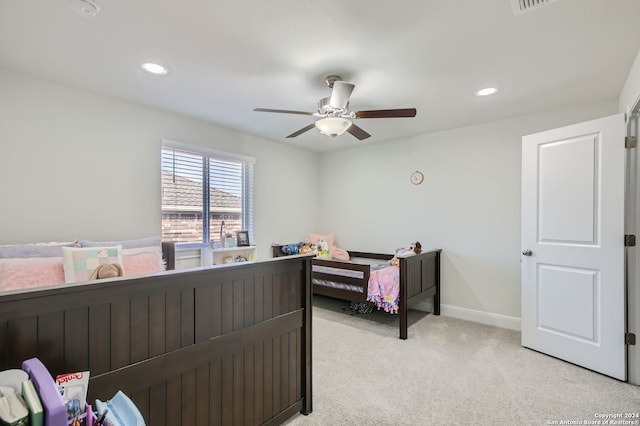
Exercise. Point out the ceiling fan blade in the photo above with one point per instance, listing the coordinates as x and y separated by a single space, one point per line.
301 131
341 94
387 113
282 111
357 132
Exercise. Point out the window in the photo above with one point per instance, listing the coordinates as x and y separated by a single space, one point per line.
203 192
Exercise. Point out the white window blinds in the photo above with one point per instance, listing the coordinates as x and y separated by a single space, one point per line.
203 193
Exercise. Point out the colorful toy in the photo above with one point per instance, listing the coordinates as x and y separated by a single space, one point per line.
414 248
290 249
323 250
307 248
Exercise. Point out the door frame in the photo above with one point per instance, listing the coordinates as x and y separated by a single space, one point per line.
632 264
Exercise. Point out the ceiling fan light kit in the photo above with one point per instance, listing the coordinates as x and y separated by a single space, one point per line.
333 126
335 115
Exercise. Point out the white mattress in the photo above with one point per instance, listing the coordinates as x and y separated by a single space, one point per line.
350 273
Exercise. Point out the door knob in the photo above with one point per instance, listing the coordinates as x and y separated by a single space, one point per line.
527 252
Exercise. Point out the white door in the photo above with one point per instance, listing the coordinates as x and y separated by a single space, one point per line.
573 289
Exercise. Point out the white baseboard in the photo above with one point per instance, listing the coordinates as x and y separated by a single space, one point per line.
497 320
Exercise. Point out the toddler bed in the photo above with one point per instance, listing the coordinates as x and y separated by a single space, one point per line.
417 276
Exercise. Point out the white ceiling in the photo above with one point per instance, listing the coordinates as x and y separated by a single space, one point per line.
228 57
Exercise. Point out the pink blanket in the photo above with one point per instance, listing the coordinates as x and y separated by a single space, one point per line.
384 288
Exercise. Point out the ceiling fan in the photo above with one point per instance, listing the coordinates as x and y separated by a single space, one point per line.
334 110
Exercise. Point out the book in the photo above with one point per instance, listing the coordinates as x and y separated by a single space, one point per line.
31 398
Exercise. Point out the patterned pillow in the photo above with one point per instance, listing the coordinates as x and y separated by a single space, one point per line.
139 257
79 263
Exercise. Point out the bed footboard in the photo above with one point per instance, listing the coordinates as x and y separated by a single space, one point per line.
419 280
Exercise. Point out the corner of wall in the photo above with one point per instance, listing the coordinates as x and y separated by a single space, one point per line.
630 95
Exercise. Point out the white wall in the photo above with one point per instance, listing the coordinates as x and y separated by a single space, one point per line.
630 95
468 205
76 164
80 165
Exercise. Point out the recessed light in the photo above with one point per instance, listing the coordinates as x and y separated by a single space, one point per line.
486 91
153 68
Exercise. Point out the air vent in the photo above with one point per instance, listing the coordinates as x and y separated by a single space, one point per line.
524 6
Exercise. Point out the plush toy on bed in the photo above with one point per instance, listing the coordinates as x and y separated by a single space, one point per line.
108 270
291 249
335 253
414 248
323 250
307 248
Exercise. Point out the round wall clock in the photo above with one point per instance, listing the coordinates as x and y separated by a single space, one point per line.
417 178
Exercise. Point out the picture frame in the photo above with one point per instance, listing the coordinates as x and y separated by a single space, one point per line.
243 238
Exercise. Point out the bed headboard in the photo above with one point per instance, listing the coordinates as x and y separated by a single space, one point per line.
276 251
221 345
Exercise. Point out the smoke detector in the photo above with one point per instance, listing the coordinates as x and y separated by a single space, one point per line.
524 6
85 8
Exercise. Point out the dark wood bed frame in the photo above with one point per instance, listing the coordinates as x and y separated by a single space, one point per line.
419 280
205 346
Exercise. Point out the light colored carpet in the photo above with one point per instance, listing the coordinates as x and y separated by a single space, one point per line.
448 372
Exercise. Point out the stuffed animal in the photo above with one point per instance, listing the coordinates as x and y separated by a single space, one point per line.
290 249
307 248
414 248
323 250
108 270
334 251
